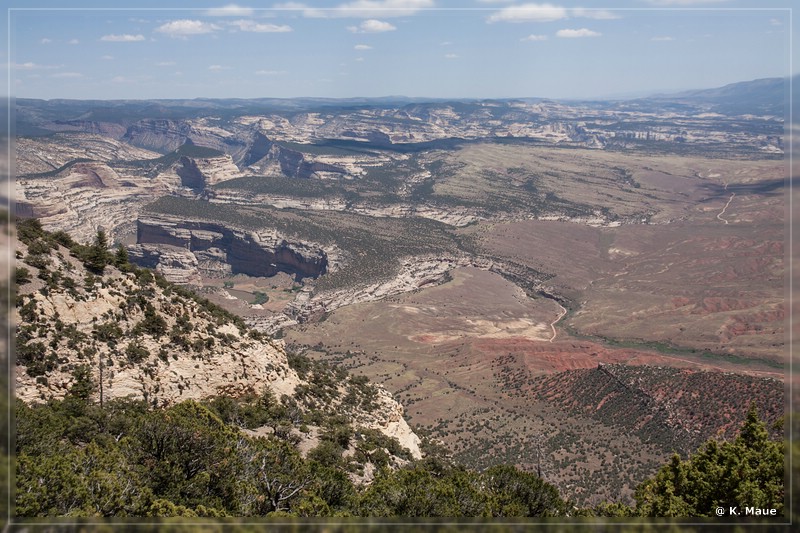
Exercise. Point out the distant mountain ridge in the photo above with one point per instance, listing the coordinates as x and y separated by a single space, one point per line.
766 96
761 96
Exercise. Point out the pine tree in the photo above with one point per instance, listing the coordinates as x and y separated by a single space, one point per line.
748 472
121 257
97 256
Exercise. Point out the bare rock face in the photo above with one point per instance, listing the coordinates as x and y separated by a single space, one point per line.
84 197
255 253
414 273
260 147
199 173
387 417
176 264
209 359
295 165
79 185
48 154
165 136
190 175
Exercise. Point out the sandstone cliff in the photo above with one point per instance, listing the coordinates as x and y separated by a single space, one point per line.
162 135
221 249
144 338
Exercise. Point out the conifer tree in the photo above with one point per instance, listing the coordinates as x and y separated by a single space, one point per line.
97 254
747 472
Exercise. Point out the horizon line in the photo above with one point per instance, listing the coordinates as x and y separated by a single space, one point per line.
645 93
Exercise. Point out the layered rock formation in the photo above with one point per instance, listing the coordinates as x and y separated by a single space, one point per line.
198 173
221 249
48 154
83 183
453 216
295 165
176 264
85 197
413 273
162 135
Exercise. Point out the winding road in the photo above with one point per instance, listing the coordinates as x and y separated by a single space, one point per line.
553 323
719 216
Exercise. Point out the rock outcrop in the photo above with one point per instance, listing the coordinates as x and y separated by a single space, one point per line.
231 250
142 339
453 216
158 135
198 173
199 359
85 197
413 273
162 135
176 264
295 165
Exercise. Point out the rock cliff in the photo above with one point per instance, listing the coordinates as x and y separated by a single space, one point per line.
162 135
221 249
198 173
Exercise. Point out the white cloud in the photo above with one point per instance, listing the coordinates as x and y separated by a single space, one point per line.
120 79
775 22
372 26
270 72
218 67
185 27
165 64
451 56
306 11
73 41
664 38
46 41
446 43
67 75
359 59
684 2
291 6
583 32
548 13
30 66
231 10
529 13
362 47
107 57
124 38
362 8
598 14
533 37
252 26
25 66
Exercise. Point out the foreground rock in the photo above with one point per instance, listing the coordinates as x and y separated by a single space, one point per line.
138 337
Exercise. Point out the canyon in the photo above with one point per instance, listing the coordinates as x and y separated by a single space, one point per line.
480 260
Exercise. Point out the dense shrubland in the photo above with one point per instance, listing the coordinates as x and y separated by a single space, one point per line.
75 458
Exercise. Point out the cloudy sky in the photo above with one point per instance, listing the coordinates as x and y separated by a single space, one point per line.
433 48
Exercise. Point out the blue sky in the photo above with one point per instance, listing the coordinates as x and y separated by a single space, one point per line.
425 48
